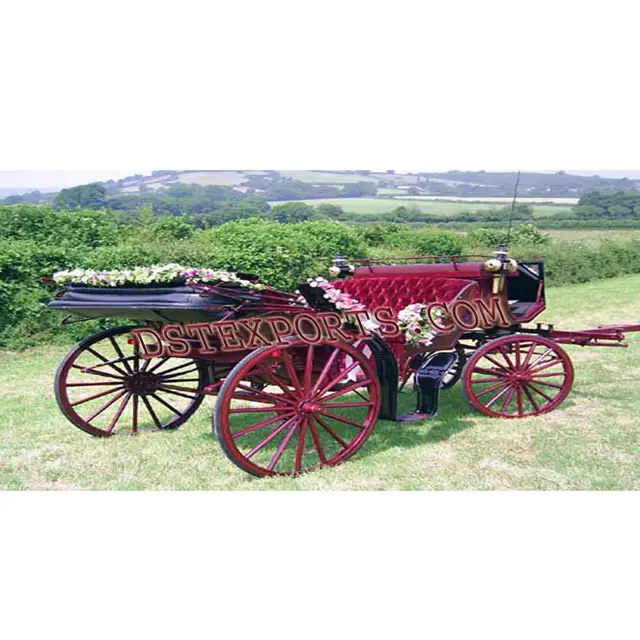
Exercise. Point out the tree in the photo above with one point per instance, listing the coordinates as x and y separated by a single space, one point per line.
87 196
328 210
292 212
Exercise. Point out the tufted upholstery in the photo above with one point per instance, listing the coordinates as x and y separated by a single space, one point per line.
399 292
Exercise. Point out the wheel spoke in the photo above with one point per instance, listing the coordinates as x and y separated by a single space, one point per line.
151 411
507 400
276 381
105 406
341 376
544 395
316 440
96 396
498 364
282 409
301 440
529 355
325 370
100 374
93 384
100 357
495 387
178 374
486 380
308 369
134 416
349 389
531 398
505 355
497 397
260 425
546 384
345 405
491 372
541 358
545 366
520 401
163 374
330 431
155 366
166 404
171 391
272 436
291 371
283 445
121 355
264 394
334 416
119 413
173 387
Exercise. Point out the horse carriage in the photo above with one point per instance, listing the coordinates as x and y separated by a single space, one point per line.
297 390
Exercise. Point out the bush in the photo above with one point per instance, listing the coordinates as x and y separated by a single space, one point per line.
426 243
527 234
283 255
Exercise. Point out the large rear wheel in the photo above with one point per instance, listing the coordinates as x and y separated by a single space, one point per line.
289 409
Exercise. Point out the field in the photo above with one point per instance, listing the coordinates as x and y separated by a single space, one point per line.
385 205
591 442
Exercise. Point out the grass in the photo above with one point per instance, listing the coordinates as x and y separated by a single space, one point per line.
591 442
592 236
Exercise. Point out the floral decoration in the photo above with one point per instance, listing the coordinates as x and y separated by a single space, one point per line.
165 274
342 301
415 323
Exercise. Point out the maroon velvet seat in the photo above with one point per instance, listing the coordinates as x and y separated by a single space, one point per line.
399 292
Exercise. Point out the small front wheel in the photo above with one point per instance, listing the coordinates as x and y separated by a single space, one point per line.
517 377
289 409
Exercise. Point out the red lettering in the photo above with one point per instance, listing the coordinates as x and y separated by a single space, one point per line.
298 322
333 327
497 315
204 334
465 316
147 351
386 319
173 334
228 336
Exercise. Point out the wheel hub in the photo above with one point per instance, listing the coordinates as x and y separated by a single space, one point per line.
306 407
142 383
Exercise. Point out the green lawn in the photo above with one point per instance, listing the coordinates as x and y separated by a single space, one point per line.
591 442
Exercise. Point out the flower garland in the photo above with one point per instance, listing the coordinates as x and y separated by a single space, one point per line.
415 323
166 274
342 301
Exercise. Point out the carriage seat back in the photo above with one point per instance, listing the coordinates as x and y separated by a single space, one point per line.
399 292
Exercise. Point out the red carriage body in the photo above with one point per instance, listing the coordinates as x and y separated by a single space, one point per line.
291 404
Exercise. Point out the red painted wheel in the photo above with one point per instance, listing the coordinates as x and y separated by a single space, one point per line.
103 386
517 377
311 412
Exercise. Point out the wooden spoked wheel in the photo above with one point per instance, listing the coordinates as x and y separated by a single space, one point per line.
285 410
104 386
517 377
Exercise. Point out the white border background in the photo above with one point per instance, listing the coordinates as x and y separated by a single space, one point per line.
406 85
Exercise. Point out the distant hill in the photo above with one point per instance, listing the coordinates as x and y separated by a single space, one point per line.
452 183
332 184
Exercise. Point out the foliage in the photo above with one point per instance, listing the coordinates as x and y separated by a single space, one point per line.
527 234
87 196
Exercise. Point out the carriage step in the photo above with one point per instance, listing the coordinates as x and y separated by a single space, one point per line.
428 383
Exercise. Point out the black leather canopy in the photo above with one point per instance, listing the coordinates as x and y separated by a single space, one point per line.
160 304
